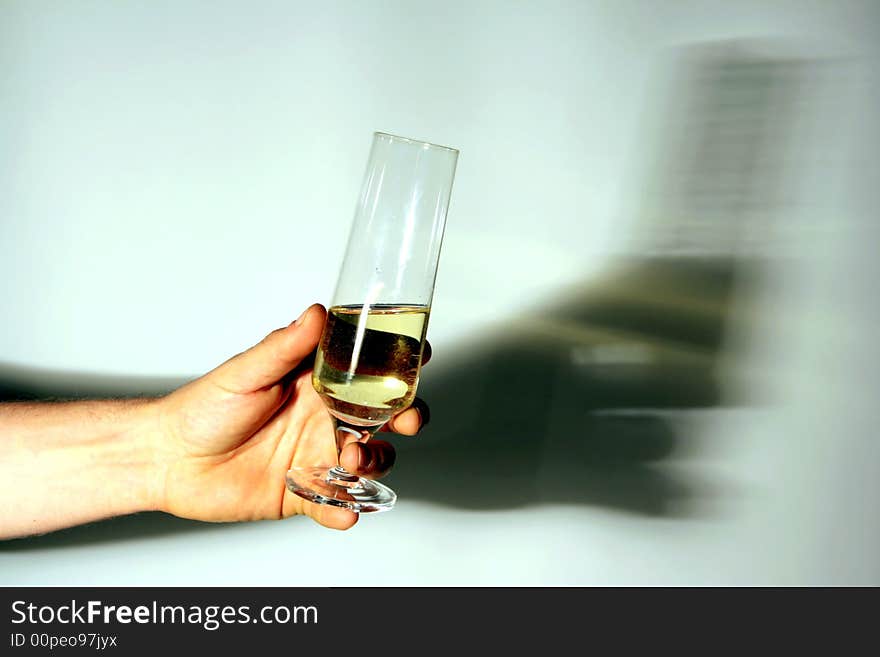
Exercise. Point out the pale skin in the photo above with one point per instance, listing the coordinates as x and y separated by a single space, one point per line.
216 449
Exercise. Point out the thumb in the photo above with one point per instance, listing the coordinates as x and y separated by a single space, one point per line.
274 356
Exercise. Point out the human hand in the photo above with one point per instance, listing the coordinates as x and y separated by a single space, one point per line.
226 440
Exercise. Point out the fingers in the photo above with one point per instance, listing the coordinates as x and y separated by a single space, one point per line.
410 421
332 517
372 459
276 355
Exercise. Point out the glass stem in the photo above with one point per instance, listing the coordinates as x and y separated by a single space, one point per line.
345 434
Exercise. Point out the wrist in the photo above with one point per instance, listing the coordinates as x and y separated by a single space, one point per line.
153 459
133 459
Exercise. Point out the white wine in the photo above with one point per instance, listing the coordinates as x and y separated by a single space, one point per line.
367 366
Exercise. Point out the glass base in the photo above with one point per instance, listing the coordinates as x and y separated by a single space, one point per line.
338 487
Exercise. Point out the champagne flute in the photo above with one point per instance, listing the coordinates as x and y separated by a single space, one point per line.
369 358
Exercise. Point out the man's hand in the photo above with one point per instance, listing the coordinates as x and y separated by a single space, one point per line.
216 449
226 440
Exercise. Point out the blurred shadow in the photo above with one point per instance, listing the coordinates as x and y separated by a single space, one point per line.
124 528
19 383
569 403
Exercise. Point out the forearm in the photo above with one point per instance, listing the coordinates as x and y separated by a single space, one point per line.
63 464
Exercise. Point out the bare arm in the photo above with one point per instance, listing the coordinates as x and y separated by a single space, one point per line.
68 463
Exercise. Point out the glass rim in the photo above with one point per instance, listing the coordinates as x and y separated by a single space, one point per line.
426 144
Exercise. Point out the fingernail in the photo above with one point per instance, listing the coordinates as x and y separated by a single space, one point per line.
299 320
424 413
